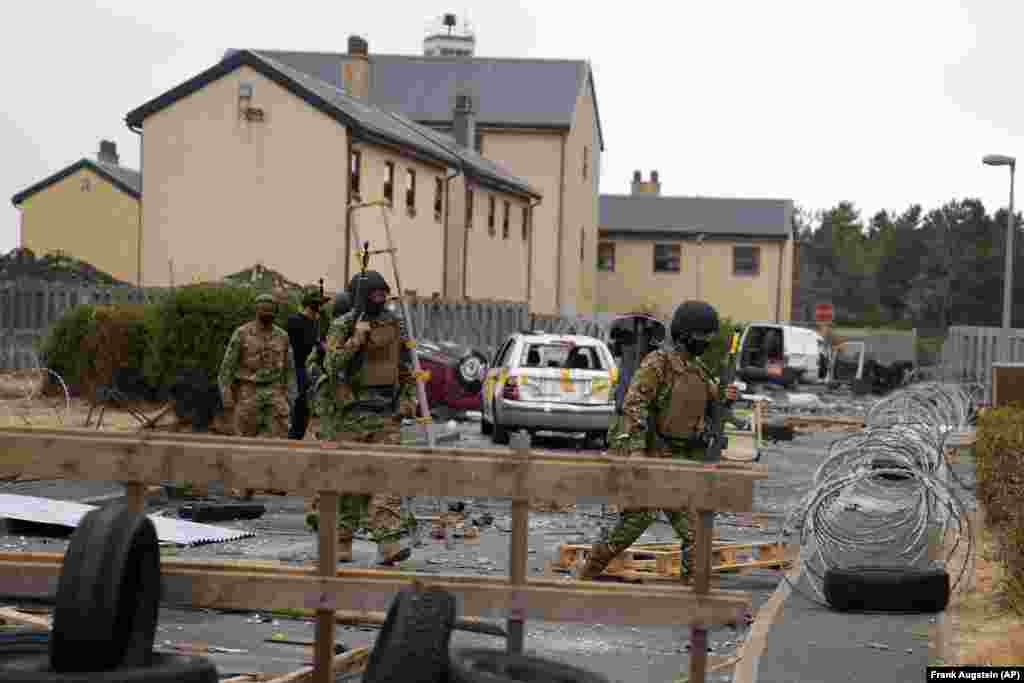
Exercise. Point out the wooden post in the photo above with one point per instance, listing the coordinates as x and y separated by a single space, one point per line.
703 535
519 544
327 566
136 496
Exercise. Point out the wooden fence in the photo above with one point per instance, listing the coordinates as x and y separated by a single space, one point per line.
330 469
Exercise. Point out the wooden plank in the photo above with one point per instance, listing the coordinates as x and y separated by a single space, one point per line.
11 615
327 566
188 583
519 546
345 663
703 536
639 483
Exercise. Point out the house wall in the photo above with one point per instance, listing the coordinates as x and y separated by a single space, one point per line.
223 194
706 272
99 226
579 276
418 237
535 156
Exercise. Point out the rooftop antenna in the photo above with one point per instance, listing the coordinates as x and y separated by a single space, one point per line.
449 21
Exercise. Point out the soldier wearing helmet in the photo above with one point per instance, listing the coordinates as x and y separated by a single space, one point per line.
366 388
257 375
304 333
662 416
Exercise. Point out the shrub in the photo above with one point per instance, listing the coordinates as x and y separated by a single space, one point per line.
190 328
116 339
62 347
1000 474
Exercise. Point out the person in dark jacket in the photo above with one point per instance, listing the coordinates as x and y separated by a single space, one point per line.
304 335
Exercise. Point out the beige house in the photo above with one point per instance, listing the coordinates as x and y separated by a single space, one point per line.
252 161
655 252
537 118
88 210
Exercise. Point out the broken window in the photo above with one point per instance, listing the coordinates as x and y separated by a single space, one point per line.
746 260
389 182
469 209
410 189
667 258
356 165
606 257
438 198
505 221
490 215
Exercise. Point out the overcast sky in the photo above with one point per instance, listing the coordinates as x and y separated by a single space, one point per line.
881 103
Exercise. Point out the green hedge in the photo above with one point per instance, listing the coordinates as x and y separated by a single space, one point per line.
62 347
999 453
190 328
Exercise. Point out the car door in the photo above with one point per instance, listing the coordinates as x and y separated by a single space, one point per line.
847 362
490 386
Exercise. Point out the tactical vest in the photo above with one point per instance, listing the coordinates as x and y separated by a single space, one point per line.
683 416
383 348
263 355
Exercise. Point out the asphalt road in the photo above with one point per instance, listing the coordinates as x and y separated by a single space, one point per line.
621 653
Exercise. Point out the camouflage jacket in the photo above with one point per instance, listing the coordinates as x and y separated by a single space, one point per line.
261 356
335 383
649 394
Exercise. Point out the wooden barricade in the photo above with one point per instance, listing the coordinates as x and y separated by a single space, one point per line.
331 469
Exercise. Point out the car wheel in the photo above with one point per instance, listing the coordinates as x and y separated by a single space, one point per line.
164 668
412 646
887 589
495 666
108 593
470 370
500 433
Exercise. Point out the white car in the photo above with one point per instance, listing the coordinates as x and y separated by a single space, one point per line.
549 382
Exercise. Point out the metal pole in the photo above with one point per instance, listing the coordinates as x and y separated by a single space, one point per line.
1008 274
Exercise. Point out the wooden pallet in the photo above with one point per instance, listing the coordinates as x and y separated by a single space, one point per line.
655 561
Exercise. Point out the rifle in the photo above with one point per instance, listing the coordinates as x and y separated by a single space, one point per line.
714 432
358 306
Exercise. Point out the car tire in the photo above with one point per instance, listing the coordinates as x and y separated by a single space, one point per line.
108 593
469 370
500 434
164 668
478 665
412 646
887 589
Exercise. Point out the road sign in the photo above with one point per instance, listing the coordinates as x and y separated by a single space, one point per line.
823 313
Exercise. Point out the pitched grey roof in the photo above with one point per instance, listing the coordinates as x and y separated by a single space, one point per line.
509 92
695 215
125 179
367 121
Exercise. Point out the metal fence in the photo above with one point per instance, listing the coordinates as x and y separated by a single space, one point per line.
968 354
29 307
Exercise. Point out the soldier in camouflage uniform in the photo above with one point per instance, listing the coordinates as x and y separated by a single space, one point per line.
257 375
365 387
662 417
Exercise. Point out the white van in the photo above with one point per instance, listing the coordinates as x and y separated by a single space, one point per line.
782 354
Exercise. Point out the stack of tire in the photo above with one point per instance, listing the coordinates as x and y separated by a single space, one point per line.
105 617
413 647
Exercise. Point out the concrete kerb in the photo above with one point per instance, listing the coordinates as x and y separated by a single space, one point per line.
749 653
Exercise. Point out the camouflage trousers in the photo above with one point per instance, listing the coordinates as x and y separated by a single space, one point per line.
381 513
261 411
633 523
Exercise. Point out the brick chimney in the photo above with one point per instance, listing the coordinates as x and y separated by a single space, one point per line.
653 186
464 120
356 68
108 153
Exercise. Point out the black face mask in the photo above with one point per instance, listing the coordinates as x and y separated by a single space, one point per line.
695 347
374 309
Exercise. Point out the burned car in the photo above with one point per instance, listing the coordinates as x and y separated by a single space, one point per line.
456 376
877 362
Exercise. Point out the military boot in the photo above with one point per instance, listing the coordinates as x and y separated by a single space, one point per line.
601 554
390 553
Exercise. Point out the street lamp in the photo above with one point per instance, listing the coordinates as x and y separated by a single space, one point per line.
1003 160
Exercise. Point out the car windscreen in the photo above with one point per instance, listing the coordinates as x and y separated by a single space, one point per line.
561 355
